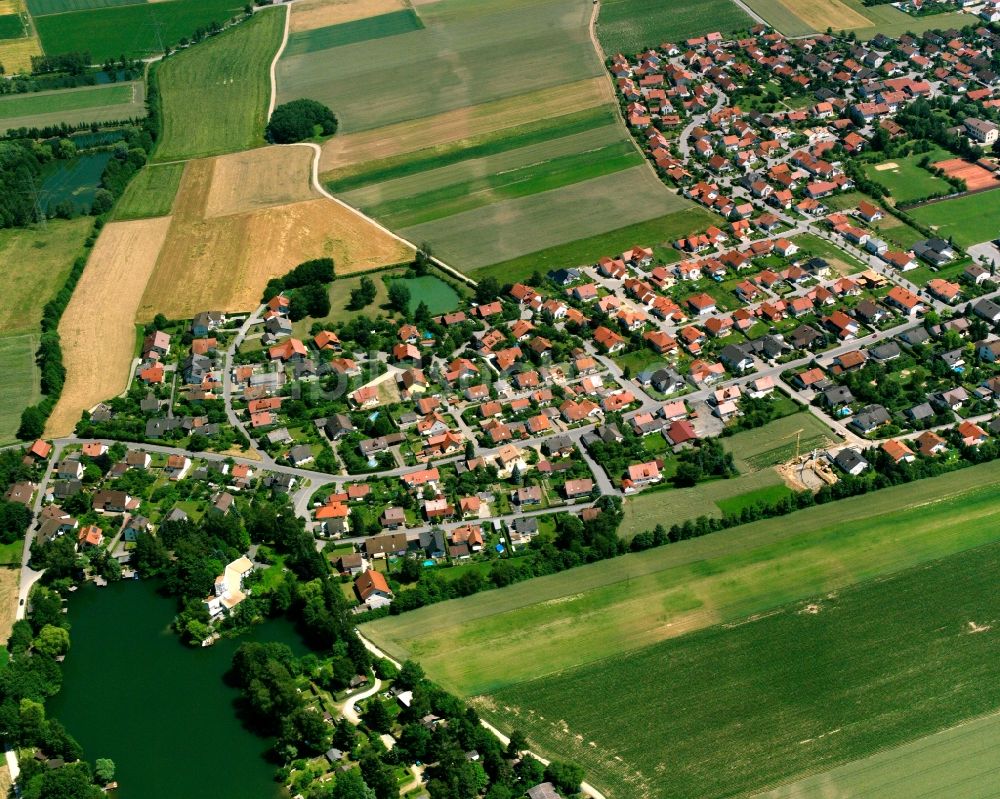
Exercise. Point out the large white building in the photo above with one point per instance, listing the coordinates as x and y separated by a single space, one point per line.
228 589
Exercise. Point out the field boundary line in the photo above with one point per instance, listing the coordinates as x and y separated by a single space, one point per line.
318 186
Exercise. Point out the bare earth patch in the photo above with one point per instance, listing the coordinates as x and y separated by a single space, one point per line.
886 165
451 126
97 329
310 14
259 178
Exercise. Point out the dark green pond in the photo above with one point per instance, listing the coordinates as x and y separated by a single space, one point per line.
161 711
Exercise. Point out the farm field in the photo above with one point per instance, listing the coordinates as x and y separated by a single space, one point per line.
34 263
502 637
215 96
893 22
15 53
660 230
802 17
740 707
260 178
677 505
75 180
150 193
361 30
628 26
97 328
131 30
461 129
11 26
73 106
907 181
310 14
962 758
971 219
468 53
512 228
547 172
40 8
256 245
17 362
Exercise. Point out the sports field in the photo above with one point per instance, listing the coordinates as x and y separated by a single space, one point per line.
98 327
628 26
468 52
17 364
906 180
107 103
215 96
134 30
971 219
512 228
499 638
813 684
961 760
150 193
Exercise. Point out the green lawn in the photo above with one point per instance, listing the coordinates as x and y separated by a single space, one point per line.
830 252
135 31
360 30
470 149
214 96
150 193
628 26
970 220
931 767
666 228
733 506
740 707
907 181
340 294
548 624
10 554
17 365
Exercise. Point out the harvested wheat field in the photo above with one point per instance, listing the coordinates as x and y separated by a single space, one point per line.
462 123
975 176
98 327
308 15
831 13
256 179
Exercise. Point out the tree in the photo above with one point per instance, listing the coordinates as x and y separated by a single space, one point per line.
32 423
399 298
52 641
104 770
376 717
300 120
487 290
410 676
565 776
350 785
103 200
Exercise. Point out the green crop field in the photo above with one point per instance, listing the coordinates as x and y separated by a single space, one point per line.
11 26
41 8
215 95
87 104
468 52
512 228
740 707
893 22
75 180
509 184
17 364
660 230
361 30
497 638
774 442
971 219
151 193
962 759
907 181
132 30
438 295
628 26
781 17
520 137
